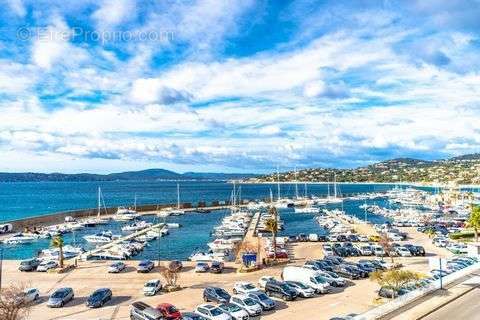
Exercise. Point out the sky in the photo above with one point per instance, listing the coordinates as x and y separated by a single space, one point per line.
235 86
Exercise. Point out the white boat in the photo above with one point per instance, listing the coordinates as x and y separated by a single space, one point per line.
21 238
307 209
103 237
174 225
137 226
68 252
125 214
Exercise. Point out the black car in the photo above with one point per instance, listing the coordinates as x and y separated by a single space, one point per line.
280 289
334 259
420 250
192 316
347 272
356 268
216 267
324 265
340 251
353 238
29 265
216 294
302 237
341 238
98 298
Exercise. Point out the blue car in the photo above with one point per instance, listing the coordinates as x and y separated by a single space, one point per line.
98 298
216 294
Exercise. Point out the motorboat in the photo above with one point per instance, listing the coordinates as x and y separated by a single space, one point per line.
136 226
125 214
19 238
100 238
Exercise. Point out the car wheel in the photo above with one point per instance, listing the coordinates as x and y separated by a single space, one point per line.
36 297
285 298
205 299
62 304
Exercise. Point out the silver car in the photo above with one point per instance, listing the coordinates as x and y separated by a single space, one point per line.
60 297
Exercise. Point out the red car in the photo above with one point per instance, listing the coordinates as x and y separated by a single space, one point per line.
169 311
280 255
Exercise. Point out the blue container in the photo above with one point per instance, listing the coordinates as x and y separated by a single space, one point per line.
249 259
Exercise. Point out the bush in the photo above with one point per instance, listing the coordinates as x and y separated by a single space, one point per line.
462 235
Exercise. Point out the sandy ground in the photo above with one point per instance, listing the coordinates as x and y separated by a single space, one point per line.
127 286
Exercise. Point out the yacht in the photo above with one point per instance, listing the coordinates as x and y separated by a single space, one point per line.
125 214
307 209
136 226
100 238
21 238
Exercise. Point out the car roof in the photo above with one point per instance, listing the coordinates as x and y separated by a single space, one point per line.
207 306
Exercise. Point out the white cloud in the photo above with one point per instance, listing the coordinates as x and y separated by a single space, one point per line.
111 13
17 7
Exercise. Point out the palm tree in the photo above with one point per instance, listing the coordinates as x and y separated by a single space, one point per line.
430 232
474 220
272 225
386 244
57 242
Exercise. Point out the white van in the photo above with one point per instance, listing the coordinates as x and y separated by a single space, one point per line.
308 277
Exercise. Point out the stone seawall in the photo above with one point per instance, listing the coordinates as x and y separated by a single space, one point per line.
59 217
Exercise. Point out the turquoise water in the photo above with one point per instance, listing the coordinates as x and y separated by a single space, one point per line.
18 200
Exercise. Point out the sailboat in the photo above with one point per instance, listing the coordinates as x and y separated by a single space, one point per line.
334 199
281 203
97 220
178 211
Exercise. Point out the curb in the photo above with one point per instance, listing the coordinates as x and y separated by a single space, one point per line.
447 302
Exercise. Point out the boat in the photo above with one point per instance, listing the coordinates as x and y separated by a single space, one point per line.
102 237
19 238
307 209
177 211
137 226
68 252
125 214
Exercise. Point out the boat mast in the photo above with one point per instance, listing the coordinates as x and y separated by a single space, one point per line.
178 196
296 183
306 190
335 186
99 204
278 184
135 202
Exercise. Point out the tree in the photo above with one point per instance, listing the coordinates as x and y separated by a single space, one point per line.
394 279
57 242
474 220
12 304
430 232
386 244
171 274
272 226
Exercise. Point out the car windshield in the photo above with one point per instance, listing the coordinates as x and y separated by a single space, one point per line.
172 309
26 263
319 279
263 297
216 312
249 302
97 294
59 294
150 284
222 293
249 286
233 308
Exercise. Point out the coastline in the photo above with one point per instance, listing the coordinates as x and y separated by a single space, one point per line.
414 184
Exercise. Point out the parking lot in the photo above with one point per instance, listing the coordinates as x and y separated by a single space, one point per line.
358 296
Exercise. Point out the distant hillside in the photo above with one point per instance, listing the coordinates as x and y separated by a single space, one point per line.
149 174
463 170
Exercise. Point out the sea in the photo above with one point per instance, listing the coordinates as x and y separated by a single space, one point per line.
28 199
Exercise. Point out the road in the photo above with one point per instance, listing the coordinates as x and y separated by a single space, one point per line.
465 308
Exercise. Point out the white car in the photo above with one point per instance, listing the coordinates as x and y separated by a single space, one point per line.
212 312
302 290
362 238
365 250
116 267
403 252
253 308
263 280
202 267
30 295
327 250
234 311
332 278
151 287
395 237
47 265
244 287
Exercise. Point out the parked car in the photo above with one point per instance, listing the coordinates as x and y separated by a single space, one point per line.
29 265
280 289
378 251
263 300
116 267
169 311
346 272
152 287
308 277
216 267
99 297
215 294
201 267
327 250
333 279
244 287
145 266
403 252
365 250
253 308
142 311
192 316
30 295
44 266
263 280
236 312
302 290
212 312
60 297
385 292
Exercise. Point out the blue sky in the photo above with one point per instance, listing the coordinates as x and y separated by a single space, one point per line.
235 86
